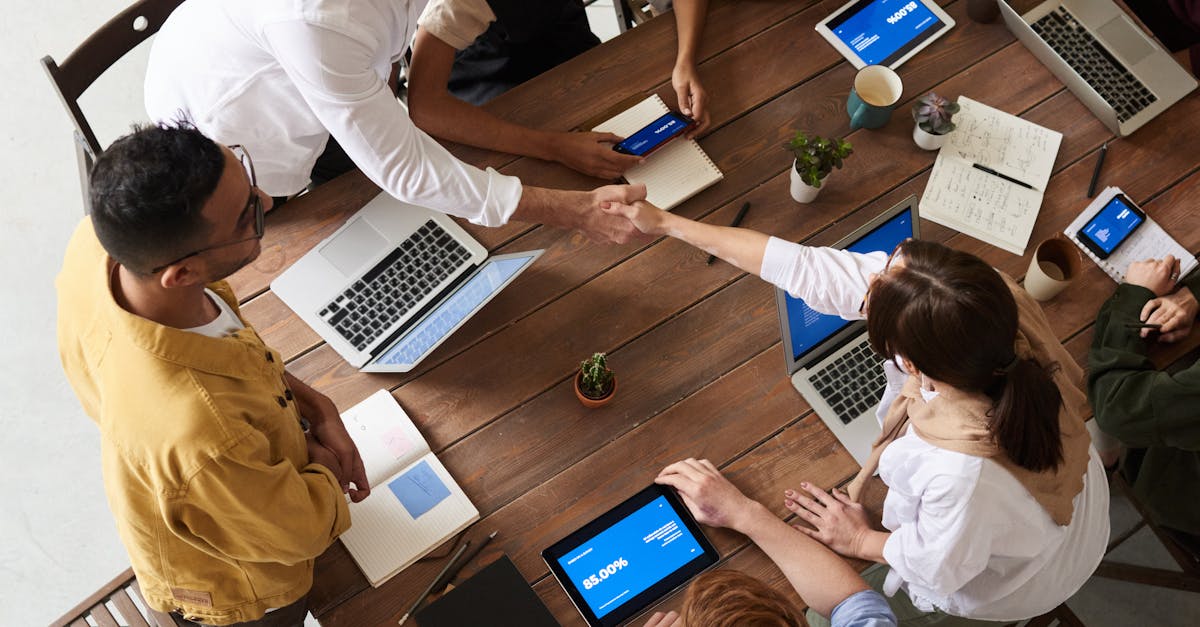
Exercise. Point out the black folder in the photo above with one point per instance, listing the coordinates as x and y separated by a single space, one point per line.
496 596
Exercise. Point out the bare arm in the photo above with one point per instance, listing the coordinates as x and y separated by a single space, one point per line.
582 211
437 112
689 24
743 248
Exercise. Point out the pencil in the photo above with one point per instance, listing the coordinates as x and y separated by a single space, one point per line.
445 579
1096 172
736 221
421 599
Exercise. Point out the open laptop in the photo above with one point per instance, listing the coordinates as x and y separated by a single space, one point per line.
829 359
1115 69
393 283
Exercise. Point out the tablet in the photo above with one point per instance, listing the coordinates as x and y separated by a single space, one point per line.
630 557
884 32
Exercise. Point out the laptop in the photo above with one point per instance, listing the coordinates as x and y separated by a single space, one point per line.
829 359
393 283
1115 69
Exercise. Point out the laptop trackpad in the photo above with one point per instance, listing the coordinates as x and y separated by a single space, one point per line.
354 247
1125 40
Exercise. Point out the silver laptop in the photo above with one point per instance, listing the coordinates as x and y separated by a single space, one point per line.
1114 68
393 283
829 359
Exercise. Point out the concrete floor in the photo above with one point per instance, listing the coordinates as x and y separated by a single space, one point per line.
59 541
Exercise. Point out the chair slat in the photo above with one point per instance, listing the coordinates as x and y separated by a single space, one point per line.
129 611
103 617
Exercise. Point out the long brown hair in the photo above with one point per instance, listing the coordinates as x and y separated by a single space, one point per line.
954 318
729 598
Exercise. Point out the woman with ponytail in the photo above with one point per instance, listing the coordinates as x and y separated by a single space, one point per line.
997 504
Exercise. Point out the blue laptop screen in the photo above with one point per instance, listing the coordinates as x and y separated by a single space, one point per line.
881 31
808 328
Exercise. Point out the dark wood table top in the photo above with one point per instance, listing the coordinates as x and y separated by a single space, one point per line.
696 348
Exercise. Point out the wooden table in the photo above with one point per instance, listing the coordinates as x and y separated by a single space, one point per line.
696 347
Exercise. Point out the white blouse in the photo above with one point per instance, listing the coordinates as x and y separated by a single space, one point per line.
967 537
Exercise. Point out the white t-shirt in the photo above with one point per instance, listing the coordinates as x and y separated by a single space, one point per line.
281 76
967 537
225 324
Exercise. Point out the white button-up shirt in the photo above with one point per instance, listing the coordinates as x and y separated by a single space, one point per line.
281 76
967 537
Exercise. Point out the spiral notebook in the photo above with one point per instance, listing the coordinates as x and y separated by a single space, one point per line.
1150 241
675 172
414 506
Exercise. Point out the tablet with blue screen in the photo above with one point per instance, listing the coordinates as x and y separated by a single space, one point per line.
623 562
884 32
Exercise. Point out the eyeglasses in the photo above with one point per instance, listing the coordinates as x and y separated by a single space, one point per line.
862 307
254 203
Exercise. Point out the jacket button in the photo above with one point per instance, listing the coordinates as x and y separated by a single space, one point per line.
288 395
270 357
281 401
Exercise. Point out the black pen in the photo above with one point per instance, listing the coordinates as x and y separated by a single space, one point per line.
1143 325
736 221
460 564
1003 176
1096 172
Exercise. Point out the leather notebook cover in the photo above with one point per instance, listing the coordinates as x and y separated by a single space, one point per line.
496 596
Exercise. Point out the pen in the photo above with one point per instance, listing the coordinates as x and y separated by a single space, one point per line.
1096 172
445 580
1003 176
1143 325
421 599
736 221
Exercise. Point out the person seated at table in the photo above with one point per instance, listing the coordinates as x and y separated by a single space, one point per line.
997 506
289 79
725 598
502 43
1153 413
224 472
1176 23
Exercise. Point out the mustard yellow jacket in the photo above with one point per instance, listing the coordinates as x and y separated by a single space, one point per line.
204 460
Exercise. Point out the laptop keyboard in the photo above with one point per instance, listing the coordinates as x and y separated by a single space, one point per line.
852 383
419 265
1088 57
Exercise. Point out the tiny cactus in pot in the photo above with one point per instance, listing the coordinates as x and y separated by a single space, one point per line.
595 384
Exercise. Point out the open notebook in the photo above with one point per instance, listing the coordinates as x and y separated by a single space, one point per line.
675 172
1150 241
414 505
984 205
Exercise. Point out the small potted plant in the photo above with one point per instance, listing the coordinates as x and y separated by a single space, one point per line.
932 114
595 384
815 157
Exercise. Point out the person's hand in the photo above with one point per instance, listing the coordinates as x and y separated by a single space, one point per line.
690 94
711 498
1176 312
601 225
841 524
670 619
319 454
1157 275
646 217
325 424
592 154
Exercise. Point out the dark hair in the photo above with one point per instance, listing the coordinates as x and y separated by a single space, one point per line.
147 192
728 598
954 318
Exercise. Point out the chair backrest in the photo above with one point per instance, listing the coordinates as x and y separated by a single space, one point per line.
92 58
114 605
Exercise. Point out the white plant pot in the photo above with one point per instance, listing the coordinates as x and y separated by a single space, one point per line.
928 141
801 191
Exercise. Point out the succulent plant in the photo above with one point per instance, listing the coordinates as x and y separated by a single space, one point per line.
932 114
817 156
596 379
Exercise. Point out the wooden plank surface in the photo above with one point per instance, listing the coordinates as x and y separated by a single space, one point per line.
695 347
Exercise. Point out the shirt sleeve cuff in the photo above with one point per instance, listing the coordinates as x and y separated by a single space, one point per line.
779 258
865 608
504 193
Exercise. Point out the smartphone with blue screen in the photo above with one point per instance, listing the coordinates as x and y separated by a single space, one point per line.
1112 225
656 134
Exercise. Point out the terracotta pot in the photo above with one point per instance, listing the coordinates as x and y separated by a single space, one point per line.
594 403
928 141
802 192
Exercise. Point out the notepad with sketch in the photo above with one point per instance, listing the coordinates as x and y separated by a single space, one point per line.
983 205
673 173
414 506
1150 241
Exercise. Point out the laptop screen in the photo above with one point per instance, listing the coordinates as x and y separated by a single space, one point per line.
807 328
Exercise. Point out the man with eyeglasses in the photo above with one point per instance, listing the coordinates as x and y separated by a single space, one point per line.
225 473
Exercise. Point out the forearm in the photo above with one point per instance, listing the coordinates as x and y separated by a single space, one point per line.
819 576
689 24
439 113
743 248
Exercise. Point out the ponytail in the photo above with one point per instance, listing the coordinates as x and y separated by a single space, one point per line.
1025 416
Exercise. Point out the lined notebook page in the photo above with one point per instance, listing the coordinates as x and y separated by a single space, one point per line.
675 172
385 436
1150 241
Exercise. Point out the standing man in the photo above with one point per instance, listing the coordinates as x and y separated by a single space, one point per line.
285 77
225 473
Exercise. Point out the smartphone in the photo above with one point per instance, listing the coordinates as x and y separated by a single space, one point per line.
1113 224
656 134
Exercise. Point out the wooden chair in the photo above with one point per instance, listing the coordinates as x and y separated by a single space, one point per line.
92 58
118 595
1061 615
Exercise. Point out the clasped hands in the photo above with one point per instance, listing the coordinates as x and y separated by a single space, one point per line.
1173 307
329 443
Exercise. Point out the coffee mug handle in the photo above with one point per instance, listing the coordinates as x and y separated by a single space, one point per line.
856 118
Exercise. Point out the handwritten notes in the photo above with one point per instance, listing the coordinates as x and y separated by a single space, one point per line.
984 205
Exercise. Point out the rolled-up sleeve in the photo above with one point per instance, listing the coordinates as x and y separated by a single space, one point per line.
334 74
828 280
866 608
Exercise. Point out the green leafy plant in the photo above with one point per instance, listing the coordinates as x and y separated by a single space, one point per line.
932 114
595 378
817 156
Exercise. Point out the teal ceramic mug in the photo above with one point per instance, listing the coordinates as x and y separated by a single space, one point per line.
876 91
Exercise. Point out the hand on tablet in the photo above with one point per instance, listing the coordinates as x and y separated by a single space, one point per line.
710 497
670 619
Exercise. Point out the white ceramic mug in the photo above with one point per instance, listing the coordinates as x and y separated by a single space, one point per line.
1056 263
